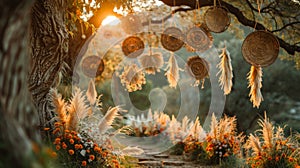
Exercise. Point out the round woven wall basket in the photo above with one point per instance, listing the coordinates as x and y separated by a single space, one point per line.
198 67
217 19
172 39
199 38
260 48
133 46
92 66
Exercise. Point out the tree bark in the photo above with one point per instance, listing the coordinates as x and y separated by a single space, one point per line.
49 47
19 119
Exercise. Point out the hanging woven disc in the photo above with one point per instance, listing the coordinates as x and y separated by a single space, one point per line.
198 67
199 38
172 39
131 24
260 48
217 19
92 66
133 46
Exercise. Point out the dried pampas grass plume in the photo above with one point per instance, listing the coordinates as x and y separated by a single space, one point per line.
225 71
267 130
255 83
59 104
77 109
91 92
172 71
108 119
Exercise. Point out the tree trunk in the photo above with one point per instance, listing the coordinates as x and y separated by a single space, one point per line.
49 47
18 121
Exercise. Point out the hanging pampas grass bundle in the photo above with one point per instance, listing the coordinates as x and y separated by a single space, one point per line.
172 71
225 67
255 84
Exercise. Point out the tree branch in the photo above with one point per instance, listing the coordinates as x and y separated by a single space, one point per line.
291 49
167 17
285 26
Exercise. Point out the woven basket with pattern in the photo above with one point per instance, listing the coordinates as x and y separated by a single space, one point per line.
260 48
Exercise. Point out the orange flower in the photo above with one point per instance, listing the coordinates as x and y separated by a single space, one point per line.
291 159
269 158
104 154
77 146
56 141
83 163
57 147
97 149
57 124
277 158
64 146
88 151
46 129
56 131
67 131
73 132
92 157
71 141
71 152
53 154
69 136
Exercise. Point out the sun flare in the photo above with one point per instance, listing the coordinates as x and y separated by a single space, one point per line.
110 20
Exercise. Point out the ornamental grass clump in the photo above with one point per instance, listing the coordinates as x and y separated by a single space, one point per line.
152 125
269 148
223 140
81 133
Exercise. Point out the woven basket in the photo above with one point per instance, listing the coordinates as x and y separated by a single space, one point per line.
260 48
217 19
92 66
133 46
172 39
199 38
198 67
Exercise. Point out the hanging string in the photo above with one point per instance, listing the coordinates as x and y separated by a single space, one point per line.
173 14
198 9
215 3
149 36
83 36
